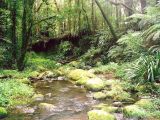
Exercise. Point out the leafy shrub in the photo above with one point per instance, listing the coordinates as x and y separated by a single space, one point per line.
91 57
36 62
14 92
107 68
146 69
129 47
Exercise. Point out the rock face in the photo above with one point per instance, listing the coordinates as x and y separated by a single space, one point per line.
133 111
3 112
95 84
100 115
45 107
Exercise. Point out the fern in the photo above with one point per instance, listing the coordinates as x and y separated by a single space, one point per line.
128 45
152 33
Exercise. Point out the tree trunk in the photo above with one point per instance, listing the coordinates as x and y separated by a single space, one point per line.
24 38
93 15
13 31
107 21
129 4
143 5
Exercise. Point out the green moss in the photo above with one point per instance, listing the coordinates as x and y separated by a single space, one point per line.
95 84
107 108
100 115
82 81
24 80
14 92
145 103
117 93
133 111
79 73
3 112
106 68
111 82
99 95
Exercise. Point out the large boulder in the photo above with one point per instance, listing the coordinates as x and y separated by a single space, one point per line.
134 111
118 94
46 108
79 73
100 115
82 81
95 84
99 95
3 112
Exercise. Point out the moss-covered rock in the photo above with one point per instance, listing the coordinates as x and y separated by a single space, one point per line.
3 112
74 63
95 84
134 111
82 81
100 115
145 103
111 82
107 108
79 73
99 95
118 94
45 107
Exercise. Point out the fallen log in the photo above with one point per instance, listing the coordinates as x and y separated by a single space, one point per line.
51 43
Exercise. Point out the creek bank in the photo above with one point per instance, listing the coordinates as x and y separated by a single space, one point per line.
101 90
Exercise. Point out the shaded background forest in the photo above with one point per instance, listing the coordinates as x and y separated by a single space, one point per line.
41 25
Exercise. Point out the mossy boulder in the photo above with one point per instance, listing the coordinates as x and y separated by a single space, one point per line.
63 71
111 82
145 103
95 84
79 73
100 115
3 112
82 81
107 108
134 111
118 94
45 107
99 95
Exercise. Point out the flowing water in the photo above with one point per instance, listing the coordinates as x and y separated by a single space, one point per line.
71 102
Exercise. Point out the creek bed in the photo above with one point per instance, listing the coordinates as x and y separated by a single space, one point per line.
72 102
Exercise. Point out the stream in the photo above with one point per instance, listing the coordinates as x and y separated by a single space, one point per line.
72 102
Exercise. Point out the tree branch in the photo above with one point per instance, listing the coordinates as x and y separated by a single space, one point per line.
43 20
5 41
119 3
